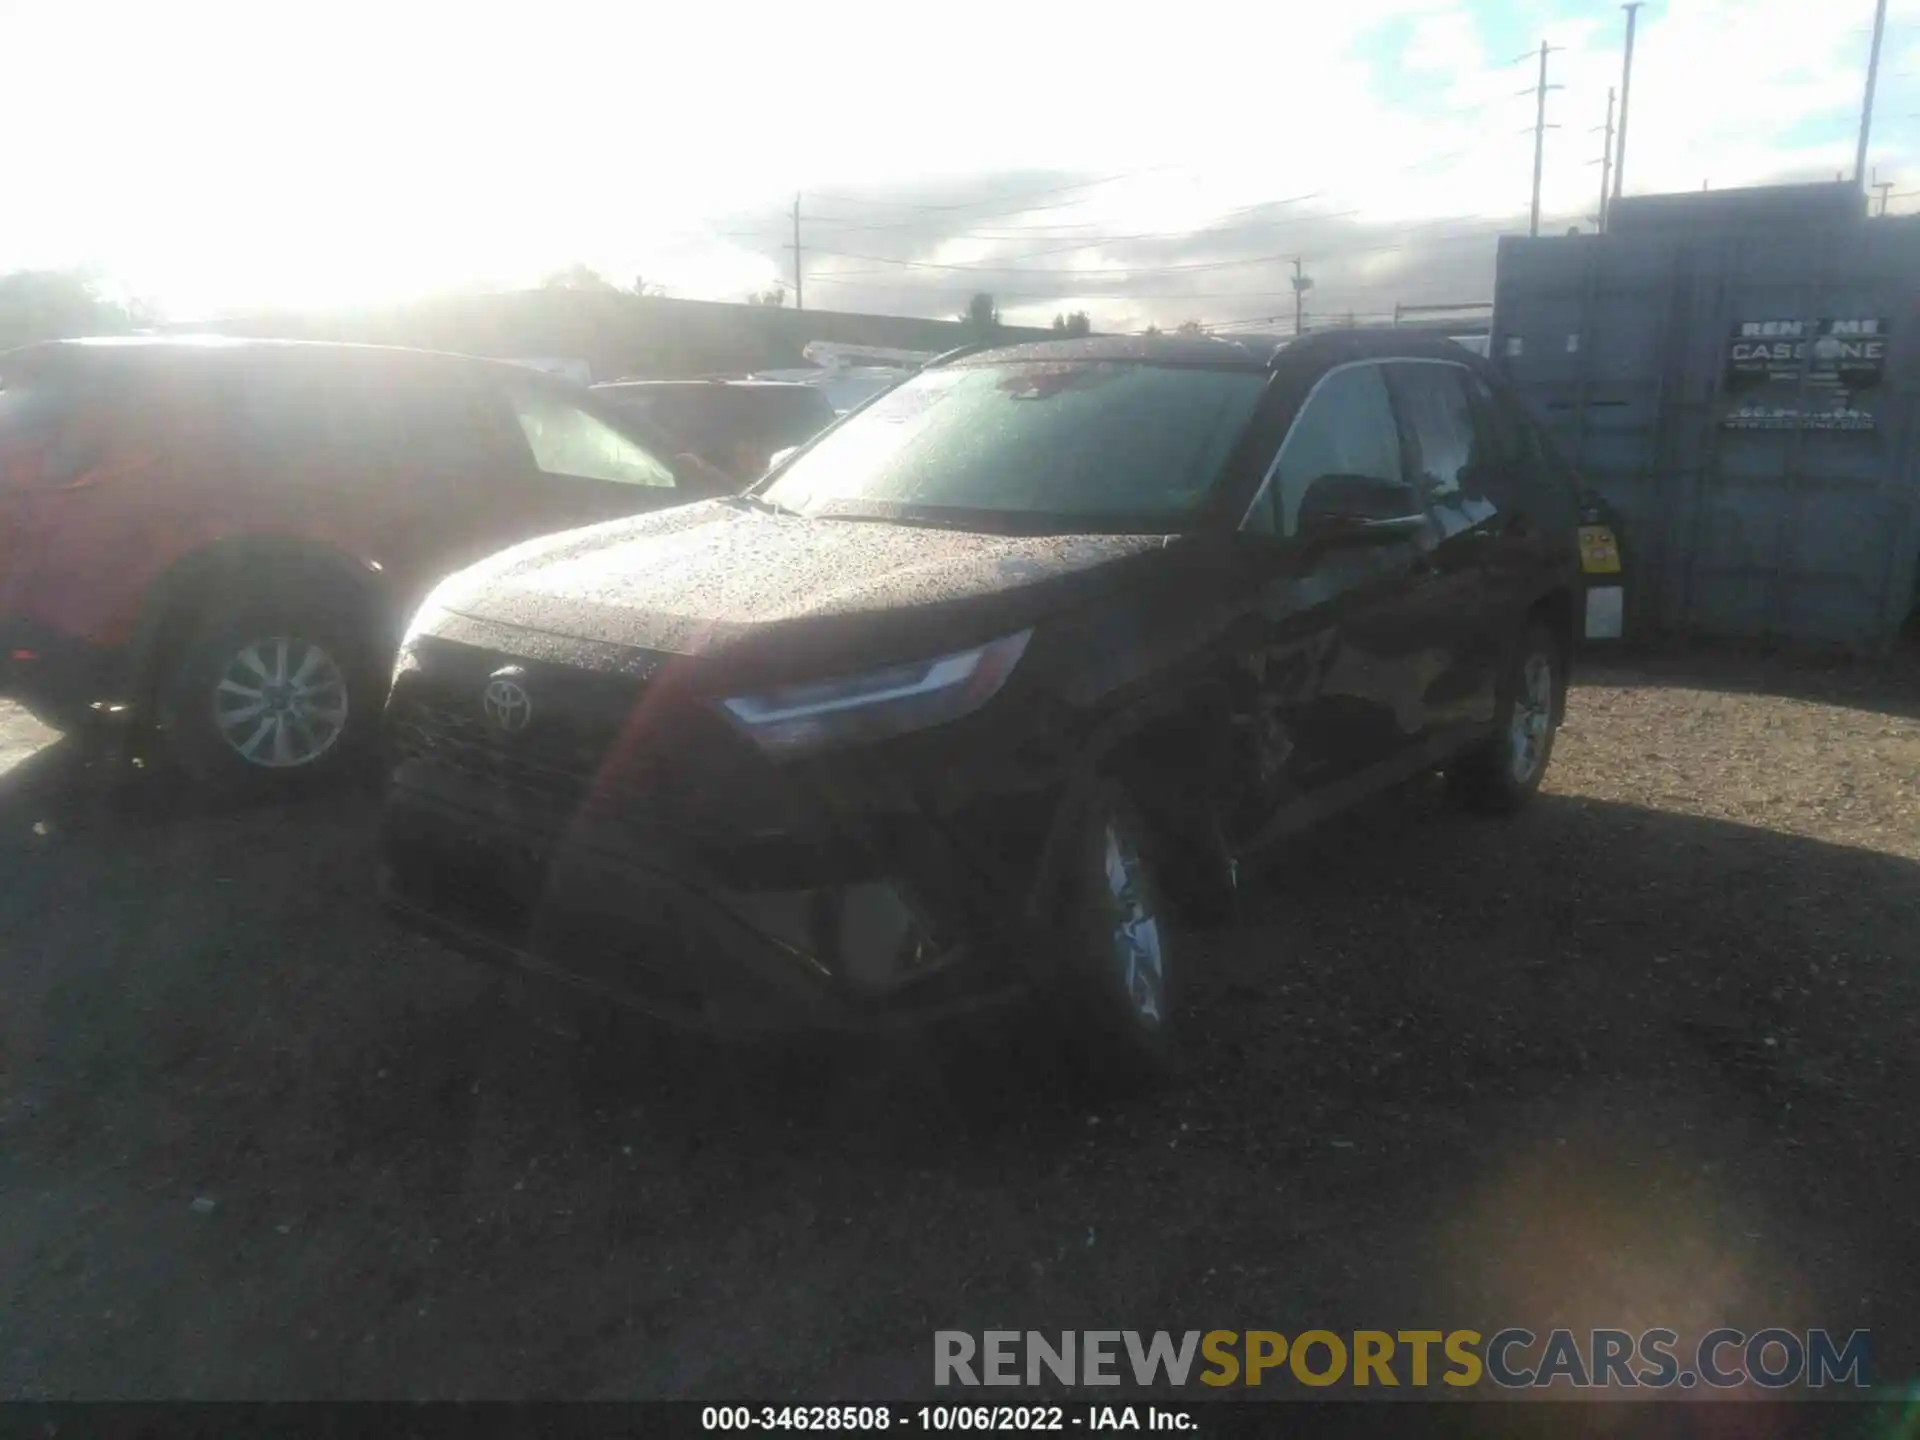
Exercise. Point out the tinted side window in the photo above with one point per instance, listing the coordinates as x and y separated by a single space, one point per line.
1499 444
1434 403
567 440
1345 428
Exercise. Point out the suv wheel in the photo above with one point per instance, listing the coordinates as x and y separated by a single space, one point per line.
267 699
1117 977
1503 774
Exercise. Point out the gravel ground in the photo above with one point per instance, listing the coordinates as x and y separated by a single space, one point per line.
1642 1055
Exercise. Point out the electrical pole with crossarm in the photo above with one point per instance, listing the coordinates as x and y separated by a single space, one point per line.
1540 128
1626 94
798 297
1606 168
1866 105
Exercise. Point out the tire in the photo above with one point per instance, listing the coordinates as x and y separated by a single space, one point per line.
1502 774
268 696
1116 996
1193 861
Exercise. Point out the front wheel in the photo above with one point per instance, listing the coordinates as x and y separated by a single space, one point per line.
264 699
1115 978
1503 773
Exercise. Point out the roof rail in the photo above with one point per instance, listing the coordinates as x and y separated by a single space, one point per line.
959 352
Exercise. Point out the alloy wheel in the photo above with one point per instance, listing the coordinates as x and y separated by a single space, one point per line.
1532 720
281 702
1137 951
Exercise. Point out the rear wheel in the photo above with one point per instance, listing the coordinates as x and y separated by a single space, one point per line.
1116 981
270 696
1503 773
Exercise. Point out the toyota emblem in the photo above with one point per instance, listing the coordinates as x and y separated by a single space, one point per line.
507 706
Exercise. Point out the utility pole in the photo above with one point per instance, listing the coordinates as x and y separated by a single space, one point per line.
1606 167
1302 282
798 296
1885 187
1626 94
1540 132
1866 105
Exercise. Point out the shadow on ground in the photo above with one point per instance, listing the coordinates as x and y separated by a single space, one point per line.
1889 686
1595 1065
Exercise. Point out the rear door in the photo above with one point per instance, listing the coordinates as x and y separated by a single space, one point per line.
1540 502
1448 447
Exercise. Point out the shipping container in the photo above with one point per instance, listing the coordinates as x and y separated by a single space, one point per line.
1745 398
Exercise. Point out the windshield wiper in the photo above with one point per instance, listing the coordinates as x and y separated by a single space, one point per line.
922 522
766 507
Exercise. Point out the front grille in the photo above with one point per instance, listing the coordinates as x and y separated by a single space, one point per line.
436 714
610 744
554 775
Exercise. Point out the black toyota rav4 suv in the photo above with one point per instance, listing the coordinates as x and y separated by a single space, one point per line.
996 688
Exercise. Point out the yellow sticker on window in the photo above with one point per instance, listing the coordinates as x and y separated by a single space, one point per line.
1599 551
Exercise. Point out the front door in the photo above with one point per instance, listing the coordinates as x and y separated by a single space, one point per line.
1347 652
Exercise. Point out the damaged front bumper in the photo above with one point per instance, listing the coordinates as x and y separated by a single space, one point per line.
768 935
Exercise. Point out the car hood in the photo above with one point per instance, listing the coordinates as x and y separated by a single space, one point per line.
717 578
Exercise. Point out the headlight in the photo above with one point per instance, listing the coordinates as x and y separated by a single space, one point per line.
879 703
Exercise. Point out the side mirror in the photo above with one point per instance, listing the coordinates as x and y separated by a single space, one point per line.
1359 508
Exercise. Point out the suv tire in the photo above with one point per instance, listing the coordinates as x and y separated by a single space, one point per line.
269 695
1501 775
1114 972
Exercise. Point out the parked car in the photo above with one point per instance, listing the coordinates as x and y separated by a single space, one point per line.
993 690
737 426
225 537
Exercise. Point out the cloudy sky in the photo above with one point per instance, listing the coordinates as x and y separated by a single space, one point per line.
1060 155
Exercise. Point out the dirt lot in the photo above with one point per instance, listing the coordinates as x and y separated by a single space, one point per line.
1644 1055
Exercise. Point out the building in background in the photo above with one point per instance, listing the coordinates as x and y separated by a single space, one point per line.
1737 373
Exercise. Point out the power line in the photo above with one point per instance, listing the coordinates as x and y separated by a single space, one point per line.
1093 242
838 225
851 224
1003 262
1122 270
1023 233
1147 274
995 199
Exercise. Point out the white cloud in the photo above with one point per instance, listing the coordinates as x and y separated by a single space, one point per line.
236 153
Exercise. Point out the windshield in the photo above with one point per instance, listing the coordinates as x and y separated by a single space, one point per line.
1099 444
